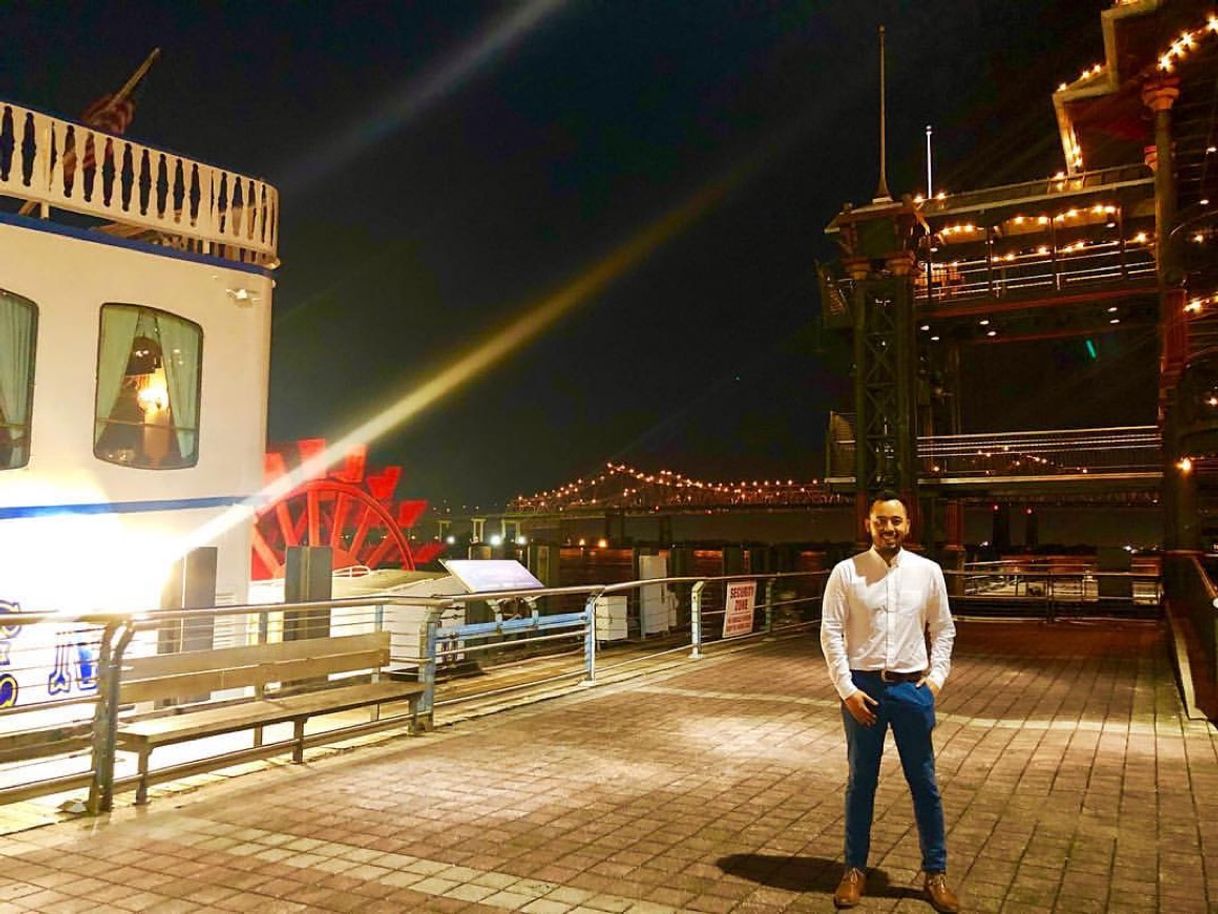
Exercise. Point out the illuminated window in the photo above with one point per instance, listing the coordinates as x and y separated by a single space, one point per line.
18 327
148 373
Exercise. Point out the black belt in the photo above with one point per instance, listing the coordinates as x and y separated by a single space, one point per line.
890 676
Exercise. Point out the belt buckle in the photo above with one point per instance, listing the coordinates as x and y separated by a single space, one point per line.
885 676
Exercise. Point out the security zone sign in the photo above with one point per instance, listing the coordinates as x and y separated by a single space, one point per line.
738 608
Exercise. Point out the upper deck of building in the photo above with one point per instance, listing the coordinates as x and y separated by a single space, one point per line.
50 167
1015 249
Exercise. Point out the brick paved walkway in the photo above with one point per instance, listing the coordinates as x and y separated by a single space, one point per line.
1072 782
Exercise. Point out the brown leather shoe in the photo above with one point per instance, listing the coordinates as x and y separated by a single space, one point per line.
850 890
941 898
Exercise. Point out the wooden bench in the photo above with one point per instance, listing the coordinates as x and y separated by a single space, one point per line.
267 668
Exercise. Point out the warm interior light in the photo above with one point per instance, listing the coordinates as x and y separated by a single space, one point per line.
1185 464
153 393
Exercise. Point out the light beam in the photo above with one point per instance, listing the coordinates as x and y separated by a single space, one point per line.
415 96
476 361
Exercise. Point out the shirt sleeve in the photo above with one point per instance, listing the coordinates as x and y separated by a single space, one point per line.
941 628
834 609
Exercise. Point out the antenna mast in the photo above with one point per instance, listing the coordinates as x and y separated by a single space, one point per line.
881 192
930 191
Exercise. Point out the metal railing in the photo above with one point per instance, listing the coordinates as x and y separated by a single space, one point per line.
1102 180
199 207
60 675
60 724
1193 607
1055 593
1042 270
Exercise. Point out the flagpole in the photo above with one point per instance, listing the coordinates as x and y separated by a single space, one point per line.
930 191
132 83
881 192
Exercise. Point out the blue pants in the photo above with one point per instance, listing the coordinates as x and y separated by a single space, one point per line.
910 711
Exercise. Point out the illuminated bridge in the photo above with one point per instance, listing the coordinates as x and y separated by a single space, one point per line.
1124 461
1115 461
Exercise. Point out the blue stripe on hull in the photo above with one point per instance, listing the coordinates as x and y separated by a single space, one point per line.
122 507
84 234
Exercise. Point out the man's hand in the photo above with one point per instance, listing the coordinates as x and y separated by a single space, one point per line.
858 706
930 684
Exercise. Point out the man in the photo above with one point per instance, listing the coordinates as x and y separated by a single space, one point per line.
878 607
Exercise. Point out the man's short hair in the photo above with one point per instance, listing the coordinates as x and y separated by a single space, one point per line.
888 495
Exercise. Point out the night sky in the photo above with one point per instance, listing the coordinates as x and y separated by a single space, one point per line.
443 165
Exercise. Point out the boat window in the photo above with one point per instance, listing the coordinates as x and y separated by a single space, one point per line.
18 329
148 383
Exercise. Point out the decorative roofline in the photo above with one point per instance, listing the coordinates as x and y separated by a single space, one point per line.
136 190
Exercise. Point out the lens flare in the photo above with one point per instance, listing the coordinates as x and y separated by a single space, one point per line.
522 330
475 362
421 93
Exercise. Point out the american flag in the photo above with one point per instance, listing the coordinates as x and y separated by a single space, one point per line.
109 116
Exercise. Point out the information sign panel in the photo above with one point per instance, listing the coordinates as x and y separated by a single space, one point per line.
490 575
738 602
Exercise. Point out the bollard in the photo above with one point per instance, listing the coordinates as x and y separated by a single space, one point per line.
590 638
427 669
695 620
105 719
769 604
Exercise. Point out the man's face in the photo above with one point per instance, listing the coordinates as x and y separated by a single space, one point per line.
888 525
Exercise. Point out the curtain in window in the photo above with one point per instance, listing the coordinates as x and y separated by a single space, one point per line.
179 341
117 334
16 371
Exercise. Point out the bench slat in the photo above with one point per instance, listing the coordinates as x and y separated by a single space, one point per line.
181 675
187 684
249 655
215 721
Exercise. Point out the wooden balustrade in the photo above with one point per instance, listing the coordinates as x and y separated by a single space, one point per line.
142 191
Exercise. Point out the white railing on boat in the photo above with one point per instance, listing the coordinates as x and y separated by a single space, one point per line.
142 191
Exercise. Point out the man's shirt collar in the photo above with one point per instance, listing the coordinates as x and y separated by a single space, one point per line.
896 559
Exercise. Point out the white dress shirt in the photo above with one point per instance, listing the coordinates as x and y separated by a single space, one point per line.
875 616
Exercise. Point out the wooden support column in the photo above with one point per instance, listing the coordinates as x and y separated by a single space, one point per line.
1181 518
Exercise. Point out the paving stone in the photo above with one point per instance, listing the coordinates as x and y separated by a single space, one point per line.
1072 782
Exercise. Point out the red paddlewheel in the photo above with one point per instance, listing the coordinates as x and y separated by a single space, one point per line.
347 509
